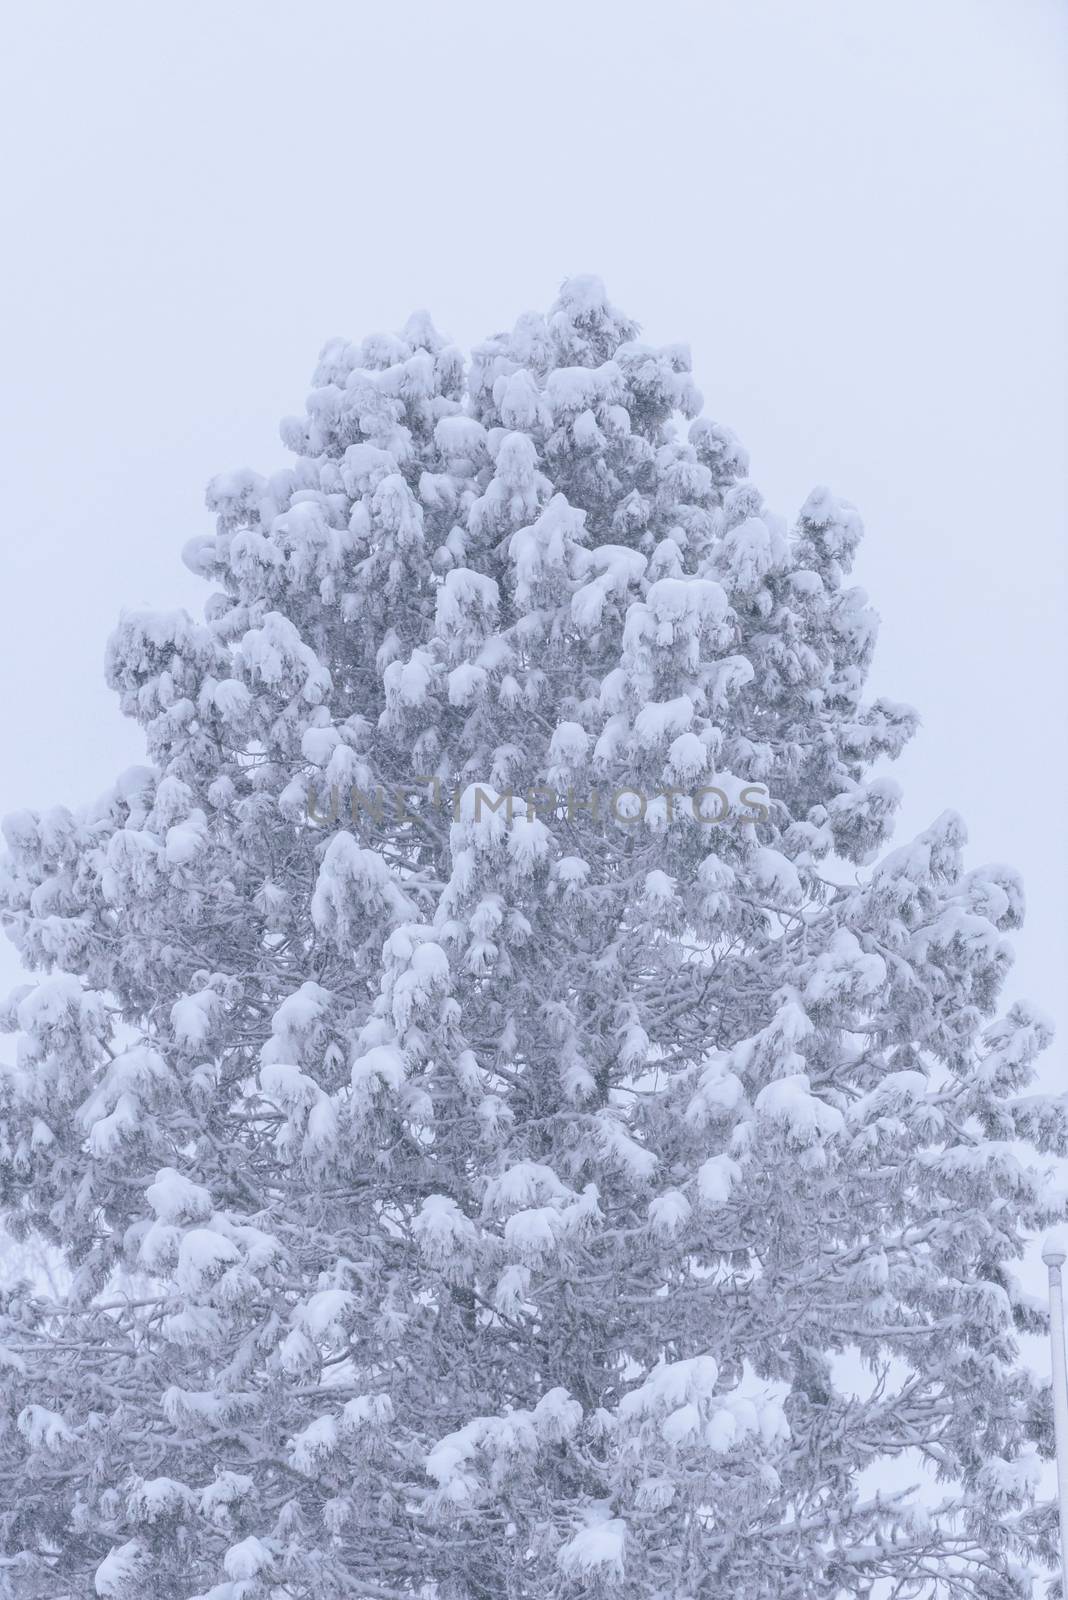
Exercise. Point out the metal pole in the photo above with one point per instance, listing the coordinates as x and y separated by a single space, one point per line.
1054 1254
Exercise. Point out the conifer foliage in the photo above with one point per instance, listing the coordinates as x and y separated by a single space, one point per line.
497 1151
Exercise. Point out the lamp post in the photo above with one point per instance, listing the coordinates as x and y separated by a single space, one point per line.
1054 1254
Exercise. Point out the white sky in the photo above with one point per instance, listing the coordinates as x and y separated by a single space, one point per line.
853 212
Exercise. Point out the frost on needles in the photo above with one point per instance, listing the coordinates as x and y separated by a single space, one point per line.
478 1200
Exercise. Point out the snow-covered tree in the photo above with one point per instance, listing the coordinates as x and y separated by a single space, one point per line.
496 1148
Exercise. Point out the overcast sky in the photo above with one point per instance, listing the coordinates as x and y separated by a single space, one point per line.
853 212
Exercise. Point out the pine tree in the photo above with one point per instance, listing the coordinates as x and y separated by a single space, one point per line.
496 1149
